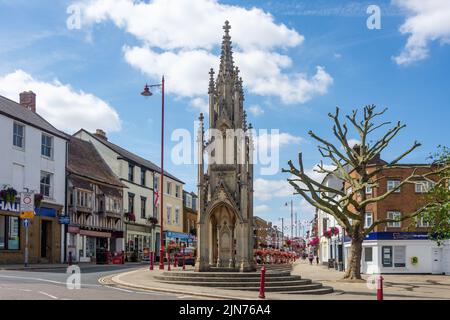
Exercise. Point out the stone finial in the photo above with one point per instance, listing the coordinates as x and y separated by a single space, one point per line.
211 81
227 28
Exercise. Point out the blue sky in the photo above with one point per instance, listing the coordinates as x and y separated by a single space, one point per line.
91 77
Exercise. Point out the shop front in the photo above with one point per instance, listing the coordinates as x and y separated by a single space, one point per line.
179 238
90 245
401 252
43 231
138 241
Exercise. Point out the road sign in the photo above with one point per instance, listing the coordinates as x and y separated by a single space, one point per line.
27 205
27 215
26 223
64 220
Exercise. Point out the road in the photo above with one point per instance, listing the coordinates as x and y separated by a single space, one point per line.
51 285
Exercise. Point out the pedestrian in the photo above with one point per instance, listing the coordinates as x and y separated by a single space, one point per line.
310 258
317 260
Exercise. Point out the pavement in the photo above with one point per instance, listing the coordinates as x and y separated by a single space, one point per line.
396 287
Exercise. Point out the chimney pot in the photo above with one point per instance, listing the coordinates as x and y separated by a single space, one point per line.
28 100
101 134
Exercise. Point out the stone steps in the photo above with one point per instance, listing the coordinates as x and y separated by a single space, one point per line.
279 289
226 279
278 280
243 284
192 274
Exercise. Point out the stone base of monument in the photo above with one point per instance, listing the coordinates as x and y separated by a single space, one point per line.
278 279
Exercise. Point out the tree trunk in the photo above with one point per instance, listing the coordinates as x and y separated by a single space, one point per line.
354 260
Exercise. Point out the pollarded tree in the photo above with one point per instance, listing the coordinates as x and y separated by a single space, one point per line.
352 167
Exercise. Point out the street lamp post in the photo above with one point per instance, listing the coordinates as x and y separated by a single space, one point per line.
148 93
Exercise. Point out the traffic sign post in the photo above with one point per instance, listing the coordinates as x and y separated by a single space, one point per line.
26 213
26 223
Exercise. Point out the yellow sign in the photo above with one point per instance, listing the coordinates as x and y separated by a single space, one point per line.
27 215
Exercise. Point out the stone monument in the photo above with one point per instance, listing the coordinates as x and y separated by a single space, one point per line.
225 190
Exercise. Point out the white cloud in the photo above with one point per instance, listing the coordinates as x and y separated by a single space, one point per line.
426 21
200 104
261 209
274 140
268 189
61 105
353 142
256 110
183 46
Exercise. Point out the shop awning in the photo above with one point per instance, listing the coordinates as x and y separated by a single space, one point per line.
98 234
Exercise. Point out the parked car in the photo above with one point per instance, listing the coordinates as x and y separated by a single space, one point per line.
189 257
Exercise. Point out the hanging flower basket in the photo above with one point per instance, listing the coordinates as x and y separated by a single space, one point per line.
153 220
314 242
130 216
8 195
414 261
334 231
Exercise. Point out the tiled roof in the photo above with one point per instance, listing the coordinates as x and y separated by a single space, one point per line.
85 161
133 157
18 112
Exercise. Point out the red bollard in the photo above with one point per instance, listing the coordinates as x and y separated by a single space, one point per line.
151 260
380 287
262 283
168 261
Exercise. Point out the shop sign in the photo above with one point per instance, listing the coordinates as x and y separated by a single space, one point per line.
8 206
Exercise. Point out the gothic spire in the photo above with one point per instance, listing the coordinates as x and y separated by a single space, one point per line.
226 56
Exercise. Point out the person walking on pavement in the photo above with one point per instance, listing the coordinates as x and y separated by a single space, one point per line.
310 258
317 260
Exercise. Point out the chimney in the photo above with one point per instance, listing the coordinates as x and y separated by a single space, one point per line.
28 100
101 134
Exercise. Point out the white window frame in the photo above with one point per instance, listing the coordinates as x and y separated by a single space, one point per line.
22 137
45 146
177 191
156 183
188 201
50 185
169 214
392 184
368 214
423 186
168 188
369 190
177 216
392 215
422 224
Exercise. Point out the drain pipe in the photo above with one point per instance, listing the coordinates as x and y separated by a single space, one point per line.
262 283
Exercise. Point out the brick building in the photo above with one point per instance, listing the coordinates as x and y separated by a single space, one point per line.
403 246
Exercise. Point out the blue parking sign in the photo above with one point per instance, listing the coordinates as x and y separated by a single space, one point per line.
26 223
